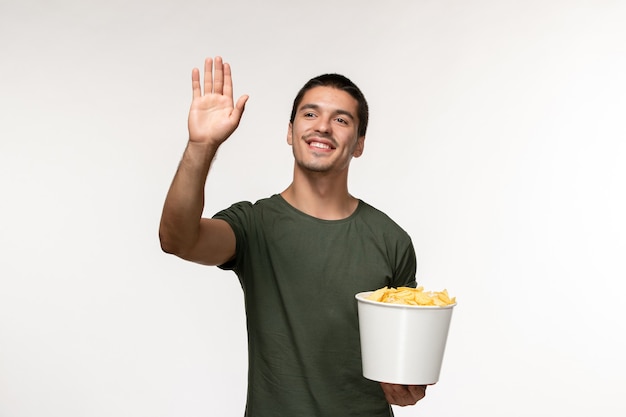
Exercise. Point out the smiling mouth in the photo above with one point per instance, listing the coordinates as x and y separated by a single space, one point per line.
321 142
320 145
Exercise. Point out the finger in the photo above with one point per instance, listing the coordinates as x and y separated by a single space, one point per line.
417 391
218 76
395 388
239 108
208 76
241 103
394 393
388 392
195 83
228 82
403 395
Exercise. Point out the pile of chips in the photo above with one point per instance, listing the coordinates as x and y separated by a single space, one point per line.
412 296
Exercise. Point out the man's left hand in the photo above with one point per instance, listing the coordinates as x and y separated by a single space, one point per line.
403 394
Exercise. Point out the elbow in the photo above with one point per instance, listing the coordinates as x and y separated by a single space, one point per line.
168 242
168 249
166 246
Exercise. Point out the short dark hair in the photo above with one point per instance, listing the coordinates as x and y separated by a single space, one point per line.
340 83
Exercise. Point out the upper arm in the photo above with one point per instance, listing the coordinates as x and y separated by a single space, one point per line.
215 244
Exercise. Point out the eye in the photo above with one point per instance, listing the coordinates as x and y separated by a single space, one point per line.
309 115
342 120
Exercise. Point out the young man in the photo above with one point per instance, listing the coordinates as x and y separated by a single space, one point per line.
300 255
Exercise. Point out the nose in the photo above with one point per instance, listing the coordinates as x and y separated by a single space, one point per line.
322 125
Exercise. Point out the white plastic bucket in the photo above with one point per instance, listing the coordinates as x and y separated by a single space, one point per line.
402 344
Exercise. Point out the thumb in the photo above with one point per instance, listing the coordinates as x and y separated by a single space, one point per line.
240 106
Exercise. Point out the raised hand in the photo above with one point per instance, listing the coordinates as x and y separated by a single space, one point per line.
213 116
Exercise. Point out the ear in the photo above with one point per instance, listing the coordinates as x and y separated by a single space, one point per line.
290 134
358 148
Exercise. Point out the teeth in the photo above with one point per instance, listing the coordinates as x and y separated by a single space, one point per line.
320 145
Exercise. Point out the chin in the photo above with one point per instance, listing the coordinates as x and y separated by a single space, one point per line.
314 167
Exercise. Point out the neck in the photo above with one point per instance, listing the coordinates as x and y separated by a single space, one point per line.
321 195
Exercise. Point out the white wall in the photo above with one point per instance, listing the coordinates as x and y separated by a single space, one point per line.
497 140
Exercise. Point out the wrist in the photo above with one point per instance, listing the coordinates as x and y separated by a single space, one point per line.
199 152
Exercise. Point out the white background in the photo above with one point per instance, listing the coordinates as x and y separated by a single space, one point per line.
497 140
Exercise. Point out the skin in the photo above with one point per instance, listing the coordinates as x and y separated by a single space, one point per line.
403 395
324 138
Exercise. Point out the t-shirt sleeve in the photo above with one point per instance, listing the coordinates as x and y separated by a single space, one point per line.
238 217
406 266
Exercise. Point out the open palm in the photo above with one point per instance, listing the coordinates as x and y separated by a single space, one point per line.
214 116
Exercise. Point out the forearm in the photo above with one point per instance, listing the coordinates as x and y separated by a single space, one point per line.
184 204
213 117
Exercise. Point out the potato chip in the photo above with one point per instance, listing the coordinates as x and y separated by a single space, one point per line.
412 296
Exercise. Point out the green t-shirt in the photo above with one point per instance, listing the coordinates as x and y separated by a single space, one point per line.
299 275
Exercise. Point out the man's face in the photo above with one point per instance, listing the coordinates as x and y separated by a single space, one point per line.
324 132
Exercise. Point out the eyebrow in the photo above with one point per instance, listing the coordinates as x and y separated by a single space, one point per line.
312 106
